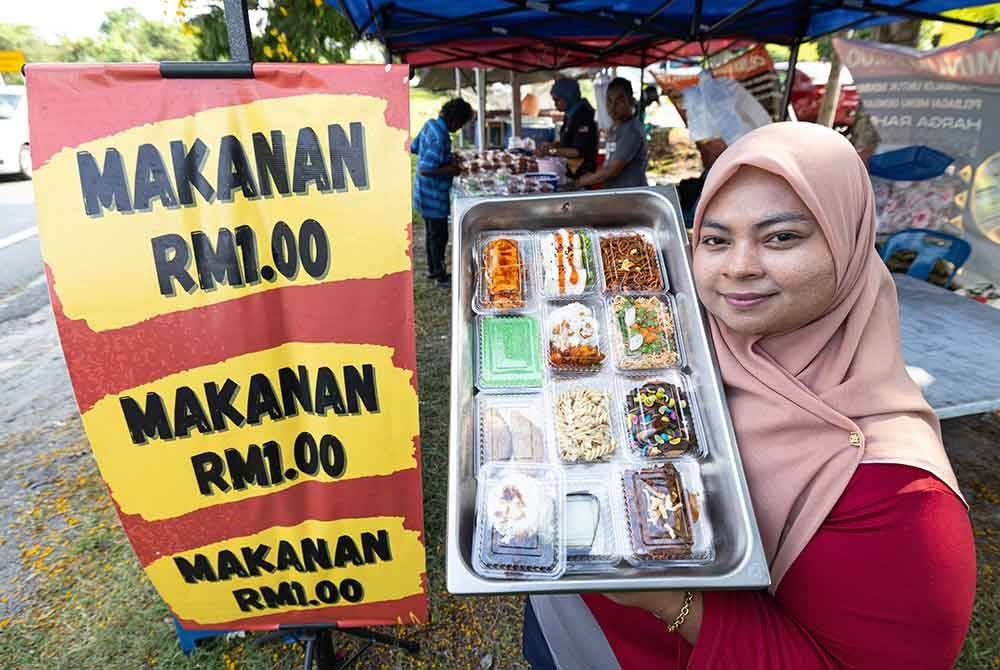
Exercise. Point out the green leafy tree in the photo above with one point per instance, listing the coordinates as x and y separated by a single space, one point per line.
24 39
289 31
128 36
124 36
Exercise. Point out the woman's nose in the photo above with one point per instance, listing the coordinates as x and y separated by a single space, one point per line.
743 262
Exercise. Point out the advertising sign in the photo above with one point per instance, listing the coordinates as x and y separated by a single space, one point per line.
949 100
230 268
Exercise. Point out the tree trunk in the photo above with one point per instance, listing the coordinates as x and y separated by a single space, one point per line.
831 94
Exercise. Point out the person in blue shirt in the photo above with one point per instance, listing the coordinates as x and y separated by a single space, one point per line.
436 168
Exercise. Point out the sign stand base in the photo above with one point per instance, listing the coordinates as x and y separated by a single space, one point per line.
321 654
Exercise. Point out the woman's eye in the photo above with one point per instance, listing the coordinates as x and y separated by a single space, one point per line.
712 240
784 237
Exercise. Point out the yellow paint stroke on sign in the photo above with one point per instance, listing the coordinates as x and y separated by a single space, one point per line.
225 589
961 199
103 265
163 477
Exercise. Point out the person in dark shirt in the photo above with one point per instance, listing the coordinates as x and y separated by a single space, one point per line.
578 135
628 151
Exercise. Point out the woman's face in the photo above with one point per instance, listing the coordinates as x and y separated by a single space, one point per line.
560 103
762 265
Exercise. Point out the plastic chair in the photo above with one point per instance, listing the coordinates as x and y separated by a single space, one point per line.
930 246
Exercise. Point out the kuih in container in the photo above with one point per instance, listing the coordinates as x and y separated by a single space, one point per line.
566 262
509 352
511 429
573 337
644 332
658 417
666 520
630 262
503 277
519 523
583 431
591 536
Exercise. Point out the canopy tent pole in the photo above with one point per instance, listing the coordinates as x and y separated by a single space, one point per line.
481 109
786 96
515 104
458 94
642 77
240 63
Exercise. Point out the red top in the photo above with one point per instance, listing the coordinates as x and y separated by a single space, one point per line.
887 582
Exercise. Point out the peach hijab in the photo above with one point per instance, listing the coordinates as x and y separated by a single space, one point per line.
810 405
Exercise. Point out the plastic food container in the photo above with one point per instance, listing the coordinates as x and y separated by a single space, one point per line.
511 429
666 521
630 261
504 282
592 524
582 421
519 522
574 336
643 332
659 417
567 264
509 353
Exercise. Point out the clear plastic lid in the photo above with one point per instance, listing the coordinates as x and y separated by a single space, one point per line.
509 352
575 339
520 522
643 332
503 276
631 262
660 417
567 266
666 519
583 429
511 429
591 526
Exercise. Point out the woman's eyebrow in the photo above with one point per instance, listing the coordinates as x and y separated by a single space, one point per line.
714 224
783 217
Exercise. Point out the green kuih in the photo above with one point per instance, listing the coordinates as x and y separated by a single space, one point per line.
509 352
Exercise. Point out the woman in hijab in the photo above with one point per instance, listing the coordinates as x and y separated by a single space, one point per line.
867 536
578 135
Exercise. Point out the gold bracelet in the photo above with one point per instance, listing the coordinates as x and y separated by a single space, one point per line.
685 610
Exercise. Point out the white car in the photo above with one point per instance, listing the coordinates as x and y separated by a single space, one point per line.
15 153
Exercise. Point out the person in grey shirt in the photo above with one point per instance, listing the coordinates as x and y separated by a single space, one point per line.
627 150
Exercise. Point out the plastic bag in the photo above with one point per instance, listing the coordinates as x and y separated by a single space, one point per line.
721 108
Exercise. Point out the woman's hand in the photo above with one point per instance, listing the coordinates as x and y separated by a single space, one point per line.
664 605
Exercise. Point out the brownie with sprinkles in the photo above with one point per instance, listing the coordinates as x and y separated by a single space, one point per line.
658 420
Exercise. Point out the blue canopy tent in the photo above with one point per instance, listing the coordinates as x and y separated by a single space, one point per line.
527 35
408 27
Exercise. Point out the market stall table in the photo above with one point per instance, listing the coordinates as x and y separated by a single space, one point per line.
955 341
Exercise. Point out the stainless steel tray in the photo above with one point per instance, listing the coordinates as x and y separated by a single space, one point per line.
740 561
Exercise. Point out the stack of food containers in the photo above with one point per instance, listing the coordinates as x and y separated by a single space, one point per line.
588 432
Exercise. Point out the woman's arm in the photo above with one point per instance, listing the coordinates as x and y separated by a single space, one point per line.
887 582
607 171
